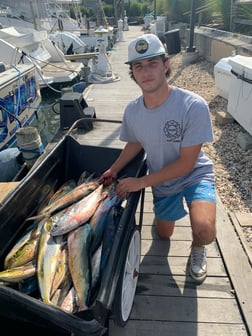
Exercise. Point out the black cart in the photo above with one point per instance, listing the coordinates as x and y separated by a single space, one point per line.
115 298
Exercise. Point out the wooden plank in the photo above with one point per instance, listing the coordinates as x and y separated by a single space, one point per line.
244 219
173 248
148 218
100 136
177 285
240 233
178 265
185 309
148 206
161 328
237 263
6 188
180 233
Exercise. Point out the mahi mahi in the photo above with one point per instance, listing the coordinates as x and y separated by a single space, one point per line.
49 250
25 248
19 273
78 242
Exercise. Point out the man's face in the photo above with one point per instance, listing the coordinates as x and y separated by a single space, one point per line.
150 73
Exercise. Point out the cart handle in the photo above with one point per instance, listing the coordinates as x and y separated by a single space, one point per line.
75 124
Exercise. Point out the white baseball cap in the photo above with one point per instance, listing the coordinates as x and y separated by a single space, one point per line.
145 46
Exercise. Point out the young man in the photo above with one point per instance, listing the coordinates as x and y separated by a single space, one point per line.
171 125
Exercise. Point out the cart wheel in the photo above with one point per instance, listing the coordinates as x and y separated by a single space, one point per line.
126 287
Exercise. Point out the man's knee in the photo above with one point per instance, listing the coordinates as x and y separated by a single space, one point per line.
205 232
164 229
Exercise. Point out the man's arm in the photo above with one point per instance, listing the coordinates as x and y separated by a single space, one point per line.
183 165
130 151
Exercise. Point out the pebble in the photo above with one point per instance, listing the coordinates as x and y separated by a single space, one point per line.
232 164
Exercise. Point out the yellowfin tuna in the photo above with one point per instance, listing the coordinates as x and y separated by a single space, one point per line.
68 199
78 213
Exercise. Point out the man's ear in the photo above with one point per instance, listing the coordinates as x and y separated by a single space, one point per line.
167 65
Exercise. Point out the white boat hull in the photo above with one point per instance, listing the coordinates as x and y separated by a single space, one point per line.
20 100
34 47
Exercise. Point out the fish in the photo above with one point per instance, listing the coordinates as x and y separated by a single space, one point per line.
63 190
23 255
68 199
62 270
19 273
98 221
101 254
25 249
85 176
69 303
95 266
29 285
78 242
113 220
78 213
96 275
49 250
61 292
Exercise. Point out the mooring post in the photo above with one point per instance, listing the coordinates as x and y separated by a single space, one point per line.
191 47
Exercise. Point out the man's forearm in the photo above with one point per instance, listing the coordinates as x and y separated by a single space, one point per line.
130 151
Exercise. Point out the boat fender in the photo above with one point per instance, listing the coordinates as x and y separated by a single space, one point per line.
30 144
10 163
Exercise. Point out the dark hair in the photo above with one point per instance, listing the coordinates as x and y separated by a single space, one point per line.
164 58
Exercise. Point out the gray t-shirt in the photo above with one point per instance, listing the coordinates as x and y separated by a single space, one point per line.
183 120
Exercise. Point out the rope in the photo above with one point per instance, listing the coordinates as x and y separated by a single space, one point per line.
37 151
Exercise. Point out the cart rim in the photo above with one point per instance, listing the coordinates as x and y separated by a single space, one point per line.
131 272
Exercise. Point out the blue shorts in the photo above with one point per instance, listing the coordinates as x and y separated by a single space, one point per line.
172 208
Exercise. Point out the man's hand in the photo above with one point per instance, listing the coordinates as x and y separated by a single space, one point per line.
107 177
127 185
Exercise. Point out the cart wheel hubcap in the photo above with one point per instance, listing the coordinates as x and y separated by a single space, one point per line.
131 273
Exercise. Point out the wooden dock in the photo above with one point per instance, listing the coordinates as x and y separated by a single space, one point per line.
167 301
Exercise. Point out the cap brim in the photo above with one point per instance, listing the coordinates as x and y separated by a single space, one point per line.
140 58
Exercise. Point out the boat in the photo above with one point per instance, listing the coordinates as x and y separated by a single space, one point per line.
78 44
68 42
41 15
20 100
30 46
54 17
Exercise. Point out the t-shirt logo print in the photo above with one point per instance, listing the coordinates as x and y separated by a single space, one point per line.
172 130
141 46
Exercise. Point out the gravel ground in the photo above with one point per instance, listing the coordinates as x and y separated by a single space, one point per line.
232 164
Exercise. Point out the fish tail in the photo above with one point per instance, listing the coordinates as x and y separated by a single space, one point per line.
44 215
